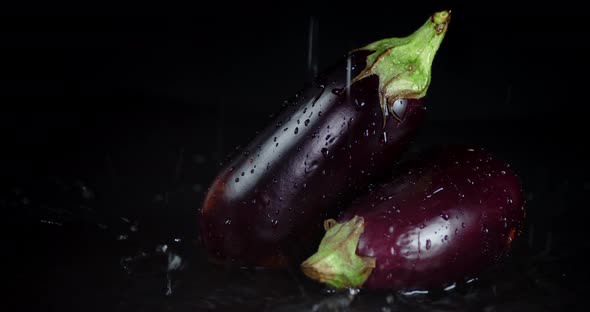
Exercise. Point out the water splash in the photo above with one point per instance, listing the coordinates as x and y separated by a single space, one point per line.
312 64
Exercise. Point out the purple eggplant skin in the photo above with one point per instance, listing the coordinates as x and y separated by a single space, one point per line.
266 206
448 215
340 133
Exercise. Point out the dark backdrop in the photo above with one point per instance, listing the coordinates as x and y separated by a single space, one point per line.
128 111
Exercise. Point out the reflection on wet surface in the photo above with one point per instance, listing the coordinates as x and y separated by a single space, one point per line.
98 247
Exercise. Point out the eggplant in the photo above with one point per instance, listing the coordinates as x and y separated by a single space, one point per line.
447 216
265 208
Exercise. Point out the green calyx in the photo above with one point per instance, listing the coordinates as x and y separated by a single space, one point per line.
336 262
403 65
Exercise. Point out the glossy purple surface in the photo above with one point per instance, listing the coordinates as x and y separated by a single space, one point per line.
266 207
450 214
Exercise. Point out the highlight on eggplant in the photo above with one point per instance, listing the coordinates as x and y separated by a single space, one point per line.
266 207
447 215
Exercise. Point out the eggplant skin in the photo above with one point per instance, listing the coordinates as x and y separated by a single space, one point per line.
450 214
266 207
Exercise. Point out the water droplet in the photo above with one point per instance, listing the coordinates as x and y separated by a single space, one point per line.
296 130
319 113
383 138
338 91
359 104
275 139
366 133
228 221
445 216
391 229
252 171
503 172
325 152
274 223
428 244
456 231
463 224
276 144
446 237
242 174
461 195
438 190
237 180
422 226
392 250
306 122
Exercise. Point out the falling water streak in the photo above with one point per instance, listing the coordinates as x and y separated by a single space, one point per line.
548 245
549 242
110 168
531 232
310 46
179 164
168 284
219 130
165 199
311 57
438 190
348 78
298 283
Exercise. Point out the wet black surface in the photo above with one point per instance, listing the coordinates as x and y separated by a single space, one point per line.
105 162
118 247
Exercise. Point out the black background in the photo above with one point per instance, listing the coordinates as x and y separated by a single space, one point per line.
135 107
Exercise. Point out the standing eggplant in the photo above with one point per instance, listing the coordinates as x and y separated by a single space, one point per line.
449 215
265 208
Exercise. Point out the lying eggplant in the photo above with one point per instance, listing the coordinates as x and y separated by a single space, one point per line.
454 212
265 208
